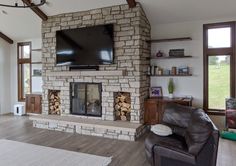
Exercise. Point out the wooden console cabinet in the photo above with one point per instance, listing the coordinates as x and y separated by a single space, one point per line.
154 108
33 103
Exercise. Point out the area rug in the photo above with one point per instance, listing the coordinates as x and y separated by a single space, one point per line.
14 153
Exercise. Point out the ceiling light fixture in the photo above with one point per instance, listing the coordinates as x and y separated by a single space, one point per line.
25 4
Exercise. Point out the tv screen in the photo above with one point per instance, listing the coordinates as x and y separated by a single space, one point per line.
90 46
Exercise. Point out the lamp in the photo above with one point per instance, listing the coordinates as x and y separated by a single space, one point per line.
25 4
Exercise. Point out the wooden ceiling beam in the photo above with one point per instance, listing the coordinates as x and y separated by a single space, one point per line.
6 38
36 10
131 3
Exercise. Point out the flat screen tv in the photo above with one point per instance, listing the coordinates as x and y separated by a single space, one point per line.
90 46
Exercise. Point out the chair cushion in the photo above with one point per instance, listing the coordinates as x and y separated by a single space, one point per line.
161 130
198 131
177 115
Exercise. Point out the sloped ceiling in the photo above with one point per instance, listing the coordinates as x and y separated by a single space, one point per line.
21 24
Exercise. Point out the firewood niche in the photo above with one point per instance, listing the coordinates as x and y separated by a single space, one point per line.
54 102
122 106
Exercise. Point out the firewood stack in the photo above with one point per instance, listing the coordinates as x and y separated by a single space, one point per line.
122 106
54 102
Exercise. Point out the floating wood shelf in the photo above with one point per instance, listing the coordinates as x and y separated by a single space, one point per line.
186 75
37 50
36 62
169 40
169 57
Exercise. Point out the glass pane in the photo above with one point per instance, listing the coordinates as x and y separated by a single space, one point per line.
93 99
78 98
25 69
24 51
219 38
218 81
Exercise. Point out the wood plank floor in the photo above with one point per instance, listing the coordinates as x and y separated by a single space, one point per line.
124 153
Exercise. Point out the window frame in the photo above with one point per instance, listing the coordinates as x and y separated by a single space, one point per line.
214 52
21 61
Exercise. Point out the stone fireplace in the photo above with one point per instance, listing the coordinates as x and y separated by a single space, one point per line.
128 74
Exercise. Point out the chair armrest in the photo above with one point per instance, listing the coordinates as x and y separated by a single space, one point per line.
172 153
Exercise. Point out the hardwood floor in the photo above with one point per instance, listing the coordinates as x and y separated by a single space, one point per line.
124 153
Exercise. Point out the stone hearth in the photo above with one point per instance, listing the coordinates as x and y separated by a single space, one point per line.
107 129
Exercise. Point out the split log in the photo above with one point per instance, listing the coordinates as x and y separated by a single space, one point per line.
117 107
123 109
123 118
117 113
126 105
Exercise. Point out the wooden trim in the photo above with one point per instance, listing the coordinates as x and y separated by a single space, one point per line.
131 3
22 61
218 51
6 38
218 113
233 61
36 10
219 25
19 72
169 40
205 68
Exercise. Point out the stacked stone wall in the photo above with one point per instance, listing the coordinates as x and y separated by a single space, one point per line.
131 52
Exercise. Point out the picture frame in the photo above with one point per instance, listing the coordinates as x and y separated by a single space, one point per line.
37 72
155 92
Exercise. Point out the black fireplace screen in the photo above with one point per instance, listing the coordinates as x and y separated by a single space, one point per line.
86 99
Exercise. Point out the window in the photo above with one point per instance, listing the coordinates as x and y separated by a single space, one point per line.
24 69
219 65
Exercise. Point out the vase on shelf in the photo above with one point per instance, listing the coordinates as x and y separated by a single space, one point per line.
171 95
171 88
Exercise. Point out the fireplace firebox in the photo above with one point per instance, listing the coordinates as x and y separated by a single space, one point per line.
86 99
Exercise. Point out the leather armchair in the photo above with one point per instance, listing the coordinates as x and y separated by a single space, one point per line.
194 142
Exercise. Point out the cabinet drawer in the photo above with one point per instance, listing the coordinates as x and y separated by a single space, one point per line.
151 113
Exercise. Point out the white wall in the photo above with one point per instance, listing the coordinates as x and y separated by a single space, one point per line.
189 85
36 44
4 77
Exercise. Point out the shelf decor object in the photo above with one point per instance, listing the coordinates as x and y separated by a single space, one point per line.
176 53
156 92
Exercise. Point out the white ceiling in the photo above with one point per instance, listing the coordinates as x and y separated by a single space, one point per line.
21 24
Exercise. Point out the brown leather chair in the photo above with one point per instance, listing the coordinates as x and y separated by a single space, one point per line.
194 142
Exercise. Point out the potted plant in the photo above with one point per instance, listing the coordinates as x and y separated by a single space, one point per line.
171 87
